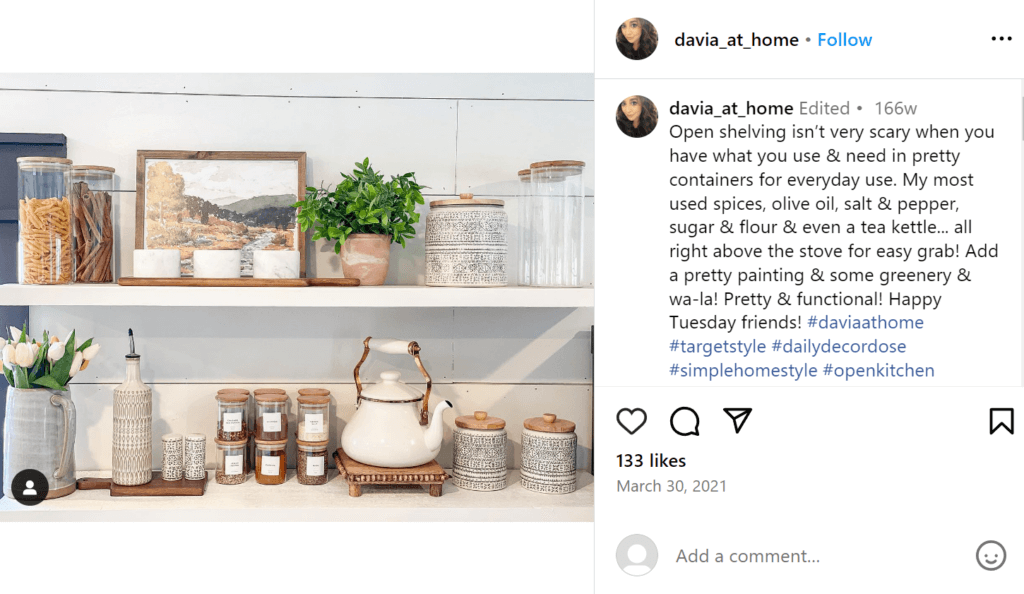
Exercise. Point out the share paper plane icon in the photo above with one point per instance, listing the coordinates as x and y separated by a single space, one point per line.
739 416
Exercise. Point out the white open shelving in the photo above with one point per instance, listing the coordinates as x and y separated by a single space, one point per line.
292 502
383 296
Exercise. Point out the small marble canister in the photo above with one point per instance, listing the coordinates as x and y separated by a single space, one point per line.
156 264
217 263
174 461
275 264
195 457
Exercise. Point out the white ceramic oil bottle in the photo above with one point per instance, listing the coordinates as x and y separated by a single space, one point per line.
133 425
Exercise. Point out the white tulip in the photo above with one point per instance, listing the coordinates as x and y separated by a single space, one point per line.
56 352
8 355
90 352
76 364
15 334
23 355
35 350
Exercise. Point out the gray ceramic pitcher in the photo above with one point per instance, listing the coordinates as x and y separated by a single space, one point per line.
39 433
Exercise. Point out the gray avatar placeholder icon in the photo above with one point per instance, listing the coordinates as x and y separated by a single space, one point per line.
636 567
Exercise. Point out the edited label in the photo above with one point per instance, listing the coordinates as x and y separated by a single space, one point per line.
315 423
232 421
271 421
315 466
270 465
233 464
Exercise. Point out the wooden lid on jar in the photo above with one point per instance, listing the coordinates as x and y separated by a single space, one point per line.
44 160
269 391
233 390
314 399
274 442
93 168
523 172
545 164
233 397
271 397
312 445
468 200
549 423
479 420
238 443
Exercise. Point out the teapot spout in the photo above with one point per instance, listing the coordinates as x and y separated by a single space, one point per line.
434 432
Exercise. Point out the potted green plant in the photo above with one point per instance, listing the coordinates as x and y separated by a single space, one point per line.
364 215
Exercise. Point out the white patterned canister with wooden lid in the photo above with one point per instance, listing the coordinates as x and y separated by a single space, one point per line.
480 447
549 455
467 243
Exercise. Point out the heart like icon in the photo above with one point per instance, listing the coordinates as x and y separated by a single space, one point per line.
632 419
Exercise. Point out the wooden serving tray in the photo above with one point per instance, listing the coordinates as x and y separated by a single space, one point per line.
131 281
157 487
358 474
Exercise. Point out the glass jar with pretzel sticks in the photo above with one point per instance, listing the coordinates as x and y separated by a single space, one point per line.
92 208
45 222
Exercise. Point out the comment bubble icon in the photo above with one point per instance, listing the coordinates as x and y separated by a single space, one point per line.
685 421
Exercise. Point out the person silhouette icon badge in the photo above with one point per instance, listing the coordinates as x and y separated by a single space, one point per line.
29 487
636 555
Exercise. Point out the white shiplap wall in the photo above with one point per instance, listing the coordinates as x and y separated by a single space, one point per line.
458 133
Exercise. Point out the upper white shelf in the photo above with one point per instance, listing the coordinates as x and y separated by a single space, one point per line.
384 296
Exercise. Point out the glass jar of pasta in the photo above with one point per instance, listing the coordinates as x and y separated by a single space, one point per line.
45 223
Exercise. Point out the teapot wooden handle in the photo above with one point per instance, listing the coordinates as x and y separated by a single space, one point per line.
391 346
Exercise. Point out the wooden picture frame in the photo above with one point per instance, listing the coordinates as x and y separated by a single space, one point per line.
270 156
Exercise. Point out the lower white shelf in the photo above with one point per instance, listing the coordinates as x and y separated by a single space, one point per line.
292 502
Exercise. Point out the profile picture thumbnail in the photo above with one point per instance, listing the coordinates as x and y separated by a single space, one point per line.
636 38
636 116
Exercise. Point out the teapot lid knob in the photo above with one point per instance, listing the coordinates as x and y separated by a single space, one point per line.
480 415
549 417
391 376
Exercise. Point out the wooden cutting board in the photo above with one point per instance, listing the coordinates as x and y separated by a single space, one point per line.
157 487
131 281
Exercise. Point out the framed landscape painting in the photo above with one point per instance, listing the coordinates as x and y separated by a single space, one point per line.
221 200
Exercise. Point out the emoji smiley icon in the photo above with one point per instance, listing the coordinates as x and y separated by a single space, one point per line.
991 555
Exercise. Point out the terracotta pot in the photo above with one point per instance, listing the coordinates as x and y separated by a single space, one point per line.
365 256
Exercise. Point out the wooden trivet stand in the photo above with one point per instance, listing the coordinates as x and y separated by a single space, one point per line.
358 474
157 487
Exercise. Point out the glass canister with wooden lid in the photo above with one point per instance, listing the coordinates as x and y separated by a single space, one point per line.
45 223
556 224
92 210
271 461
549 455
314 423
271 414
467 243
479 446
311 462
232 414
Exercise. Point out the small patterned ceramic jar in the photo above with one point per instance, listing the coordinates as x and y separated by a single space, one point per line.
549 455
479 447
173 465
467 243
195 457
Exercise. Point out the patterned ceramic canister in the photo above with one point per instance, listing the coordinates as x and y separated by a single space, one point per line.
549 455
480 446
173 467
195 457
467 243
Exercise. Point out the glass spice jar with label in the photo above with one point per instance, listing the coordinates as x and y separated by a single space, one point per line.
314 422
311 464
271 461
271 416
232 409
232 466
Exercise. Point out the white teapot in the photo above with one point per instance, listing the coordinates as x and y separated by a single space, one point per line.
389 428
